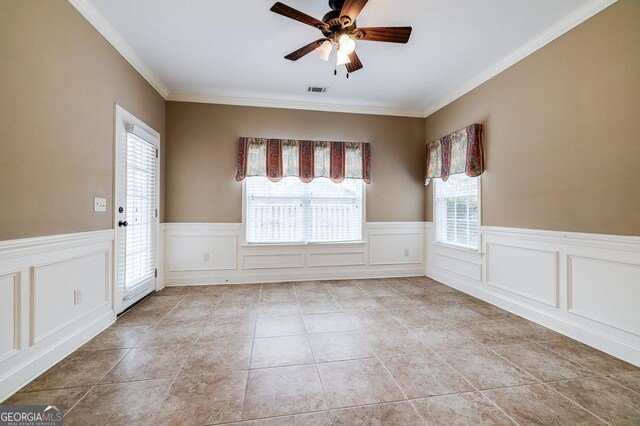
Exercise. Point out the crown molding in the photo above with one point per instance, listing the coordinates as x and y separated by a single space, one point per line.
300 105
585 12
100 23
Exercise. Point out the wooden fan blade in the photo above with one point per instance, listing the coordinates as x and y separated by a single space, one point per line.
355 63
304 50
350 11
289 12
387 34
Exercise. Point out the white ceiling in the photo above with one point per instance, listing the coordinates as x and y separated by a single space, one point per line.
231 51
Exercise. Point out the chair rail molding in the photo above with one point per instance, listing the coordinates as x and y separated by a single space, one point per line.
586 286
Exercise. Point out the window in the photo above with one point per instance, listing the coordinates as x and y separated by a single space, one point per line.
290 211
457 211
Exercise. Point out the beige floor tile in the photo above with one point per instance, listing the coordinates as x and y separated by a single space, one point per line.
357 305
489 311
319 307
171 335
378 291
142 318
495 332
540 405
153 362
278 308
327 323
188 314
201 299
541 363
589 357
347 292
536 332
279 326
119 404
321 418
67 397
443 338
117 338
81 368
463 409
203 400
398 342
608 400
456 314
395 413
418 317
234 309
173 291
283 391
357 382
339 346
230 353
630 380
281 351
218 327
424 375
374 320
486 370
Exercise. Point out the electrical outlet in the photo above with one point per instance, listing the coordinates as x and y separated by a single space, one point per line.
206 257
406 252
77 296
99 204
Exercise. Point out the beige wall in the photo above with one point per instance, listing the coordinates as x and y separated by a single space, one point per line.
201 149
561 131
59 81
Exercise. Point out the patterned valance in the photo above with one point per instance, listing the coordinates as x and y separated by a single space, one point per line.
459 152
277 158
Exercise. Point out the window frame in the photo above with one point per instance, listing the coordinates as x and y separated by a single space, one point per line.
436 219
243 228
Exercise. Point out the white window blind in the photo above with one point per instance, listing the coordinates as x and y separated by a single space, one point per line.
140 213
290 211
457 211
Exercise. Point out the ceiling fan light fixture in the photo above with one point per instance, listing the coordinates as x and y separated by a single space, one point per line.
347 44
343 58
324 50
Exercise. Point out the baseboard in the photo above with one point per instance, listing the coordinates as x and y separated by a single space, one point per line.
282 277
15 379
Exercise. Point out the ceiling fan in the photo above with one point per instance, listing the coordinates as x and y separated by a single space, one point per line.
339 28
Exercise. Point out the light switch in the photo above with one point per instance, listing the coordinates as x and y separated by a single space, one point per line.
77 296
99 204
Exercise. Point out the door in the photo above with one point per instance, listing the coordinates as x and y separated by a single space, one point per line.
136 209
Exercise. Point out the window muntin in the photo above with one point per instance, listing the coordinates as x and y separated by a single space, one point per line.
291 211
457 210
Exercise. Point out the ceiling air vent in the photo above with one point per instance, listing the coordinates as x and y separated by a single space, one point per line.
317 89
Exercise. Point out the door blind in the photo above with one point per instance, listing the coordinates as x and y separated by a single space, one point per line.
140 214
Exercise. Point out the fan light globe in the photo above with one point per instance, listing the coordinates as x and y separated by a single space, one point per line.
347 44
324 50
343 58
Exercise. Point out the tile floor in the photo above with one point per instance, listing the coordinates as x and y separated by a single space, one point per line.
398 351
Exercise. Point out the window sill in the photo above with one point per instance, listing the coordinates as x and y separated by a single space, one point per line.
298 245
459 248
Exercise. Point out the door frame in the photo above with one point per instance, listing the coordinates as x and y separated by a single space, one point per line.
125 120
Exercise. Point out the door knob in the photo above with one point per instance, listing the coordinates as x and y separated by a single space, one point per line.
123 223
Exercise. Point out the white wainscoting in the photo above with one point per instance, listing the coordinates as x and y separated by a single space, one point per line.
586 286
213 253
40 323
